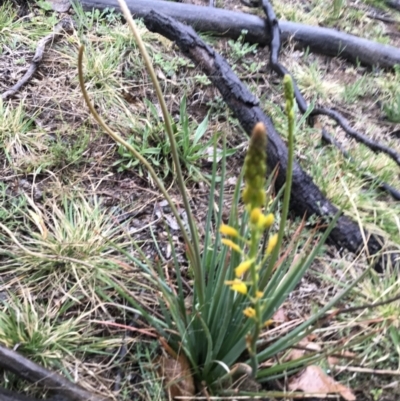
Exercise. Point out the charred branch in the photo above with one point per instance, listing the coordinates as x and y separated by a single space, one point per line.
28 370
231 23
306 196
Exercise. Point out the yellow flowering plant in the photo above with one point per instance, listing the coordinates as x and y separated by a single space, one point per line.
239 276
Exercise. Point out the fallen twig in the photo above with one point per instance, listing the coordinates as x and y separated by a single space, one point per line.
395 4
359 137
7 395
382 185
64 25
357 369
307 198
382 18
28 370
275 46
231 23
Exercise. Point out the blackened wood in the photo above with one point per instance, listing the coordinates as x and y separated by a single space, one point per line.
65 25
394 4
306 197
28 370
231 23
275 47
7 395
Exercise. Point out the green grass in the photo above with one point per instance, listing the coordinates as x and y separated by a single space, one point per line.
13 29
63 242
150 141
11 208
348 16
32 327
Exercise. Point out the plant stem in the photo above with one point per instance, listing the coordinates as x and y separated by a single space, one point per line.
289 95
193 244
255 239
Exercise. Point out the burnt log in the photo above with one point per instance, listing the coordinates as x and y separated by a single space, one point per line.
7 395
306 197
31 371
228 23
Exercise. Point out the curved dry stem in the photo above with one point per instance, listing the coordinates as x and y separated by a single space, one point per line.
194 250
117 138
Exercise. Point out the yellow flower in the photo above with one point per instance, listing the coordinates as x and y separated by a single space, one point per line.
231 245
259 294
238 286
243 267
250 312
268 323
228 230
267 221
256 215
272 244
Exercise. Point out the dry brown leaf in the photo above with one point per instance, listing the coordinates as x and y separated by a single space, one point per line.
335 360
314 380
177 377
241 375
294 354
176 373
348 354
240 369
280 316
305 346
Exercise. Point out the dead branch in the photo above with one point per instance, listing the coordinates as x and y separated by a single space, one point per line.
7 395
381 185
28 370
307 198
275 46
64 25
394 4
231 23
358 136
